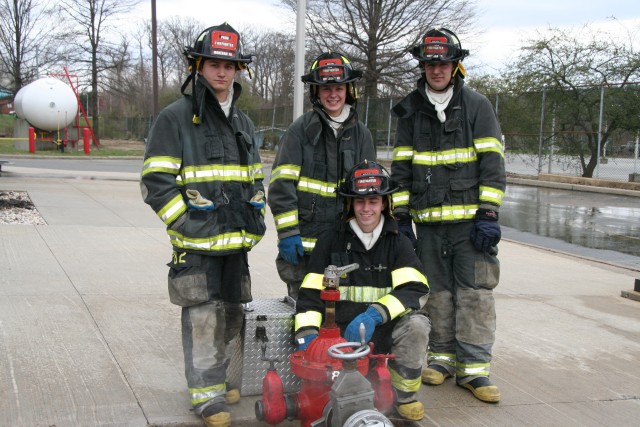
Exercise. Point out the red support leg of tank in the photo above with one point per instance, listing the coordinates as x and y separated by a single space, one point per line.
86 119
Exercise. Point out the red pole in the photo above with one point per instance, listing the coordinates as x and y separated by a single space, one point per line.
87 148
32 140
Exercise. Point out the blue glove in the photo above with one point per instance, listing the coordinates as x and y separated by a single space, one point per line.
304 342
485 233
207 207
257 205
405 226
291 249
371 318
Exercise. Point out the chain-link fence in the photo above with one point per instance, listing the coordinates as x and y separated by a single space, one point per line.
588 131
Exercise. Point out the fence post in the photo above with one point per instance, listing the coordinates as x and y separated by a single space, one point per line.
32 140
599 131
540 143
389 129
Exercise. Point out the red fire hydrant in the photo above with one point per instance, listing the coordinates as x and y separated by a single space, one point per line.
318 370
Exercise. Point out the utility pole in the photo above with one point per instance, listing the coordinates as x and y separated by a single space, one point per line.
298 86
154 55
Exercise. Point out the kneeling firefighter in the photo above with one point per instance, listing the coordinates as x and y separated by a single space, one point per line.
385 293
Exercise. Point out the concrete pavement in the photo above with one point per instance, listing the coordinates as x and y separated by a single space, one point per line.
89 338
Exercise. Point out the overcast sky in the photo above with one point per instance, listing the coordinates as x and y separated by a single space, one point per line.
503 25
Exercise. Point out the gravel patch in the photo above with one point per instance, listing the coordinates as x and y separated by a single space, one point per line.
16 208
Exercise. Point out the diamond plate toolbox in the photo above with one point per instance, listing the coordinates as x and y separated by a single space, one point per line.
268 325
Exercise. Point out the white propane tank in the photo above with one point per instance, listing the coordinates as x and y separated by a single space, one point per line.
47 104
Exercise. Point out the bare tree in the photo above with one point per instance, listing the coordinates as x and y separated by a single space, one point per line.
174 35
273 68
91 17
23 29
375 34
576 68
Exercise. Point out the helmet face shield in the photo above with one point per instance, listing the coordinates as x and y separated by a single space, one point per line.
330 71
369 182
331 68
439 45
438 49
367 179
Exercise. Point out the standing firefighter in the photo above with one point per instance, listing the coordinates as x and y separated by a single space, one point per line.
203 177
316 153
385 293
449 163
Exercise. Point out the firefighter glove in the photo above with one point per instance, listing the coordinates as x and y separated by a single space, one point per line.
291 249
304 342
257 201
370 318
485 233
199 203
405 226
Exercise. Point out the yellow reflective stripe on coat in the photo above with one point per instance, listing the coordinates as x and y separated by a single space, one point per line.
287 171
404 275
489 144
164 164
445 157
472 369
172 210
313 281
362 293
308 318
286 219
404 384
219 243
199 395
444 213
315 186
258 172
402 153
217 172
393 304
400 198
491 195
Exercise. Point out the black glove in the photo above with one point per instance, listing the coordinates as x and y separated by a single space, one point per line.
405 226
485 233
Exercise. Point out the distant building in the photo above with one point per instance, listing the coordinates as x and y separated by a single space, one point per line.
6 101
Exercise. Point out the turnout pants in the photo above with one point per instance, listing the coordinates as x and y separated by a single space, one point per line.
209 290
461 305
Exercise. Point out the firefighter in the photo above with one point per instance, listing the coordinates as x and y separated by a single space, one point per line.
449 163
385 293
202 175
315 155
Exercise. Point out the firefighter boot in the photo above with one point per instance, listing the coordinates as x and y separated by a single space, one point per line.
434 375
483 389
217 415
413 411
232 397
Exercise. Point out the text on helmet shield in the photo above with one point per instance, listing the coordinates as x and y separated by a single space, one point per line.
224 43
